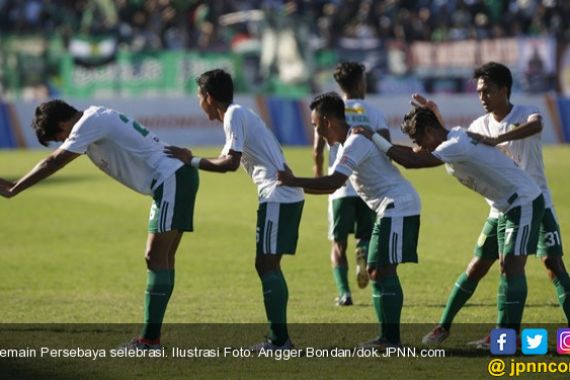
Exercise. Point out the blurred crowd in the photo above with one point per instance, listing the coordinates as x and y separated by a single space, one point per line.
286 45
188 24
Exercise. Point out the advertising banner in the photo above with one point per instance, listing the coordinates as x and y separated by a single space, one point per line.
180 121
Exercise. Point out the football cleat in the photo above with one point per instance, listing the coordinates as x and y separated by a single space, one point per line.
270 346
378 343
141 344
485 343
435 336
481 344
344 300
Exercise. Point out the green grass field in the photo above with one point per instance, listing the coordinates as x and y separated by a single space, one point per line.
72 252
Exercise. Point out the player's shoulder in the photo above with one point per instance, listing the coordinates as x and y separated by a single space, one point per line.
356 141
234 109
524 111
479 122
234 115
457 133
358 104
92 115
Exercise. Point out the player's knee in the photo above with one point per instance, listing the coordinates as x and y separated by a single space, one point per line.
266 263
478 268
372 272
338 248
148 259
553 265
513 265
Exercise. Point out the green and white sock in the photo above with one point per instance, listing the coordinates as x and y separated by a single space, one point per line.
275 297
158 290
462 291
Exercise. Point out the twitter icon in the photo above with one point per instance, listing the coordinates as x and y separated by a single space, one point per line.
534 341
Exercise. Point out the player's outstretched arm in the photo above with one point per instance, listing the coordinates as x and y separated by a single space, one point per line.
320 185
318 148
51 164
413 159
228 163
222 164
404 155
516 132
182 154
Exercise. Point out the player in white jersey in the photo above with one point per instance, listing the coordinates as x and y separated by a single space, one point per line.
347 212
515 130
379 183
134 156
250 142
505 186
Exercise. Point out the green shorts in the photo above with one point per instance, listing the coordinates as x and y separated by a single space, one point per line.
278 227
549 238
350 215
515 233
173 205
394 241
487 245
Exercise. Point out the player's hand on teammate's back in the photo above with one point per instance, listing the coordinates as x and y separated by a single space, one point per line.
487 140
284 177
182 154
362 130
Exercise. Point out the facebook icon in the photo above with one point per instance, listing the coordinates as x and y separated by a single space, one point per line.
503 341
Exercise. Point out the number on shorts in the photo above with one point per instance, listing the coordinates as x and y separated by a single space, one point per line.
508 235
552 239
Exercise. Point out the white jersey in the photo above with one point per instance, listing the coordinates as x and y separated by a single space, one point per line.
122 148
527 152
376 180
261 155
486 170
357 112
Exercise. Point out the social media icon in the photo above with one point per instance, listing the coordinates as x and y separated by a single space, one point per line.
563 341
534 341
503 341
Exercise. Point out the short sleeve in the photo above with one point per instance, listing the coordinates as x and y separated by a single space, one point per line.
378 121
234 128
477 126
82 135
533 113
455 149
351 154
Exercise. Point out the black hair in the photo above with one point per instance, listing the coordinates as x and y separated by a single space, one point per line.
329 104
417 119
348 75
496 73
218 84
47 118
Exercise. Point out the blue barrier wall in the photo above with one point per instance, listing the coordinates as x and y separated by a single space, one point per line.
564 111
287 120
7 139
